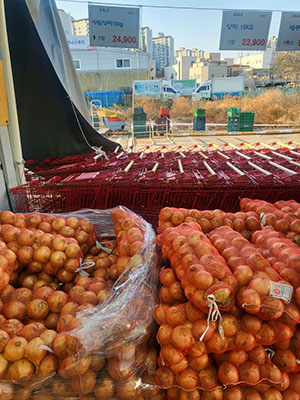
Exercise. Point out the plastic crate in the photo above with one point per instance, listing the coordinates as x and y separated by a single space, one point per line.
233 111
199 112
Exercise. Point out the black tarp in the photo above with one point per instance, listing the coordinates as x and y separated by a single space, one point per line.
52 116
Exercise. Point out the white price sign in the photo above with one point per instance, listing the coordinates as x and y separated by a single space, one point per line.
245 30
114 26
289 32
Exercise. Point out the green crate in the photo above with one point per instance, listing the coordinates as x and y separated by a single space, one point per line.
233 111
247 117
141 130
231 120
199 112
138 110
233 129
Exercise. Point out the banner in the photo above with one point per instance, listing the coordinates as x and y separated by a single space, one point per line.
78 42
245 30
289 32
185 87
114 26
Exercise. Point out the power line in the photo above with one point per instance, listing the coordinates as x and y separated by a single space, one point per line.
169 7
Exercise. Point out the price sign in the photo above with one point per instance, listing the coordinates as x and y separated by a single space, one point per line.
245 30
289 32
114 26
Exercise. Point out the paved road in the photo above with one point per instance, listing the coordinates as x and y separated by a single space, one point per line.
189 141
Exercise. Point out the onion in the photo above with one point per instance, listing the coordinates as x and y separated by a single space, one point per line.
74 366
22 394
48 365
65 276
84 383
73 344
34 352
59 243
3 366
88 297
42 292
73 250
97 362
23 295
32 330
39 283
63 322
29 281
12 326
60 345
60 387
42 254
14 309
51 320
75 293
48 336
25 255
13 278
69 308
37 309
4 338
84 282
129 390
7 293
45 240
20 370
45 277
15 348
57 300
104 389
58 259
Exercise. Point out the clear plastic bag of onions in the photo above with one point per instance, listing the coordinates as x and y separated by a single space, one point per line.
77 298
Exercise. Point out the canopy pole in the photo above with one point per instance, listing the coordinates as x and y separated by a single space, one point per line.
13 127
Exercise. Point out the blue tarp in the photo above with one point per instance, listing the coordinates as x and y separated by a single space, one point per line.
107 98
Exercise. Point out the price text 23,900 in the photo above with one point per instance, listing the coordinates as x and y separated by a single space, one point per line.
253 42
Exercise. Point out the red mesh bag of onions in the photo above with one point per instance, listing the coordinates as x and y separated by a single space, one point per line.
76 316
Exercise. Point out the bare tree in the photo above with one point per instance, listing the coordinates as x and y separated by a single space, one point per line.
287 65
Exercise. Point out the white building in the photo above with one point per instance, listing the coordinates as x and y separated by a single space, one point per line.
171 72
204 70
146 40
182 51
67 22
262 59
163 51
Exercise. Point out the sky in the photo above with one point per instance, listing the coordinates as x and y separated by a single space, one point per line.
191 28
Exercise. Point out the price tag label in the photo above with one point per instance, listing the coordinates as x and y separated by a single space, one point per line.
289 32
114 26
281 291
245 30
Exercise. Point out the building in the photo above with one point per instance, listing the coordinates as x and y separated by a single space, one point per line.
110 69
163 51
212 57
67 22
171 72
183 52
262 59
204 70
81 27
146 40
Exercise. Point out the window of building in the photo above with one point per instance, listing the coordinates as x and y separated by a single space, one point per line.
123 63
77 64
